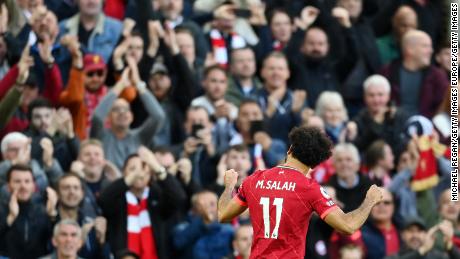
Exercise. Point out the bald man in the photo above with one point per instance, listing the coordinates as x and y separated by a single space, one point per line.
404 19
318 66
417 86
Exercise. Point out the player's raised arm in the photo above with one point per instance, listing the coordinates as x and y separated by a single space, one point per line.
227 207
350 222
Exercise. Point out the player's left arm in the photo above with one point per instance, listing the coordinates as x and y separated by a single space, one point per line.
350 222
228 208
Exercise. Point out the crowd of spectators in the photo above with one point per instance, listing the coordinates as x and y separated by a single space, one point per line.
119 118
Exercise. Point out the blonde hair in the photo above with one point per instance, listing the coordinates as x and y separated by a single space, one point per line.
91 142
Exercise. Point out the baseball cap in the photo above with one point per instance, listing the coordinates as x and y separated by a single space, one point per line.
158 68
93 62
414 221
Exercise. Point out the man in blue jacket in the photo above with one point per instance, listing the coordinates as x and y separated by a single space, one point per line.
201 236
96 32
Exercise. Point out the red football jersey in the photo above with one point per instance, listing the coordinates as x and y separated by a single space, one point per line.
281 201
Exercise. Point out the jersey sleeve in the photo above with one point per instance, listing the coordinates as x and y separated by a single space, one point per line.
240 197
321 202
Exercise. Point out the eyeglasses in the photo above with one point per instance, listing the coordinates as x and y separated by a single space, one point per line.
98 73
386 203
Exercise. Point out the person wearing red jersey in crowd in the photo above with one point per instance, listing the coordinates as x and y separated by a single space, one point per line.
282 199
322 172
86 86
19 87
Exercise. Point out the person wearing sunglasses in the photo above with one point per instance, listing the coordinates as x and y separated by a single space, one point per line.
380 234
85 88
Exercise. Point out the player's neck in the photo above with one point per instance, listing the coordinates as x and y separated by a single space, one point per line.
299 166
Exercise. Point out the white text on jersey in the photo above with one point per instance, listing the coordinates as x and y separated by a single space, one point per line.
276 185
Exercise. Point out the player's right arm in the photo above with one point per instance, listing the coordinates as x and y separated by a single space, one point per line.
350 222
228 208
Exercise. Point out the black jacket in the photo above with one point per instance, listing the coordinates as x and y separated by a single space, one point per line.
29 234
183 88
317 76
389 130
65 149
318 236
164 199
368 61
352 197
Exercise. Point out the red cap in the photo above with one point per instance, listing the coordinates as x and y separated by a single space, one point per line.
93 62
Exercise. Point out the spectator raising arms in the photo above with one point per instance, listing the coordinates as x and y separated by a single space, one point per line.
138 204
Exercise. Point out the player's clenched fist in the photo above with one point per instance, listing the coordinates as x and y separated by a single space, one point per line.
374 194
231 176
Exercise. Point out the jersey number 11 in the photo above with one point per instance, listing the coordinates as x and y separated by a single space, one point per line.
265 202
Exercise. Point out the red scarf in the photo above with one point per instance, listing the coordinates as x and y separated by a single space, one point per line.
92 99
456 241
277 45
219 46
140 233
426 173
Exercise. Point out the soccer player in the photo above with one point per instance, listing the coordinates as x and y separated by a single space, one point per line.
282 199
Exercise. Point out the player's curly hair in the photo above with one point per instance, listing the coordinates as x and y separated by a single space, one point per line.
309 145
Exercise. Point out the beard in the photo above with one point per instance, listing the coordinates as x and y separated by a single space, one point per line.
415 243
315 59
66 206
